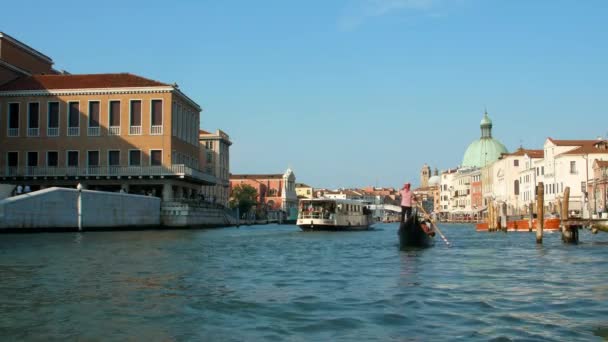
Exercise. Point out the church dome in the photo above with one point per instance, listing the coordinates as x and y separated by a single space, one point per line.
484 150
435 180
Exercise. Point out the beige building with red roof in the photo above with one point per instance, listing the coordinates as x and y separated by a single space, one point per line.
106 131
215 155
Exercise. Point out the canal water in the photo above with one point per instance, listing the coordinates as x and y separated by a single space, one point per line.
276 283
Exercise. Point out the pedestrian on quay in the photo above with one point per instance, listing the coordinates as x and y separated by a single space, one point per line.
407 198
19 189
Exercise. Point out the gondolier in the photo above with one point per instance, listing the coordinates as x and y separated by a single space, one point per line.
407 198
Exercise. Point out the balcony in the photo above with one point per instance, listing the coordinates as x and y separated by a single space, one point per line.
13 132
52 131
135 130
114 130
33 132
176 170
73 131
93 131
156 130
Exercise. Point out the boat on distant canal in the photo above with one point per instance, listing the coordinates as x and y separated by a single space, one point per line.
333 214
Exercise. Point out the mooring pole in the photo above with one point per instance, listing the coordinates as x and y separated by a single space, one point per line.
568 234
503 217
79 206
531 218
540 209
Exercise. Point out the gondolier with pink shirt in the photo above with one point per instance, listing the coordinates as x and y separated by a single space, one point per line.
407 198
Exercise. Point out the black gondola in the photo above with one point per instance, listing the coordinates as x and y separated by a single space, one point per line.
415 233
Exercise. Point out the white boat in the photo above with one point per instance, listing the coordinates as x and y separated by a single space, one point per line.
333 214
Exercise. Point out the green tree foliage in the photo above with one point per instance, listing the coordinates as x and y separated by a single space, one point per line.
244 197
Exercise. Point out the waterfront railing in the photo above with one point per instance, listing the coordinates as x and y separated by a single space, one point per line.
179 170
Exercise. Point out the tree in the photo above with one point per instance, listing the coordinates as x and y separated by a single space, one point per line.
244 197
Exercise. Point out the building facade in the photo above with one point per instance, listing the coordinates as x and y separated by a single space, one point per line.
275 191
18 60
215 156
106 131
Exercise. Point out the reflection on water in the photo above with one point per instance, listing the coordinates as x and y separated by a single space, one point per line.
277 283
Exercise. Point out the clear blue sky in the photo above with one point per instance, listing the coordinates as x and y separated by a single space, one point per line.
348 92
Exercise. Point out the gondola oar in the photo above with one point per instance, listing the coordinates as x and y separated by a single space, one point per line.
434 225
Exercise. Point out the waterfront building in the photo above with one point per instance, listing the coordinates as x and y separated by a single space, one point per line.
214 154
506 180
569 163
304 191
532 172
597 188
429 190
275 191
105 131
445 194
18 60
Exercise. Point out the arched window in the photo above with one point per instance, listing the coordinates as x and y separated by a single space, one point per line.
516 187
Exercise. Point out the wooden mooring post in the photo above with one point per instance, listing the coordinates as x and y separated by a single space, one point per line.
503 217
531 218
569 232
491 220
540 210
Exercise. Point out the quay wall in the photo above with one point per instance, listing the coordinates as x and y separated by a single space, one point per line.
183 214
57 208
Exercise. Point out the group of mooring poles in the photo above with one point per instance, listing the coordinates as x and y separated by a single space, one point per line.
497 217
569 231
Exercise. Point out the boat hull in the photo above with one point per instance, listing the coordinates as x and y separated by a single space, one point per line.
411 234
332 228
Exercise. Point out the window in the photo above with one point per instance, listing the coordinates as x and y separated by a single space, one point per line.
73 119
33 119
516 187
32 159
209 157
113 158
542 170
52 159
13 119
72 159
114 118
134 158
93 118
12 162
135 117
157 117
516 162
92 159
156 157
53 120
573 167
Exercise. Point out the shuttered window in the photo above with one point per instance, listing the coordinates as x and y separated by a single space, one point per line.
53 114
93 158
136 113
34 115
74 114
72 158
52 159
156 157
134 158
94 114
114 158
115 113
13 115
157 112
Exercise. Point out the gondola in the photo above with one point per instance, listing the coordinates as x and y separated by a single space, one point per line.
415 232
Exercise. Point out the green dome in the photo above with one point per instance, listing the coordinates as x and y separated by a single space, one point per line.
484 150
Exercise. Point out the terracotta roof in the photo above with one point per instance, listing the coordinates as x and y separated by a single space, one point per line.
90 81
602 163
572 142
256 177
522 151
200 131
587 149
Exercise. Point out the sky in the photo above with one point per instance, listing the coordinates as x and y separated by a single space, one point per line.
348 93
